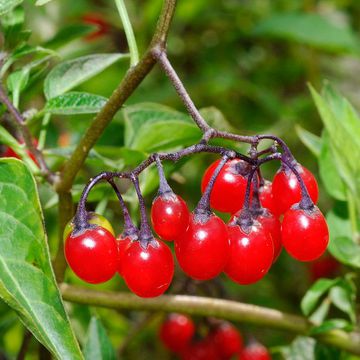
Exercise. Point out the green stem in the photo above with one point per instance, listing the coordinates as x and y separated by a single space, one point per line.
202 306
352 215
134 53
43 131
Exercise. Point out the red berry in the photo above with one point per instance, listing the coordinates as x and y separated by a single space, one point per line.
169 216
122 244
324 267
102 26
255 351
227 340
148 271
272 225
200 350
9 152
228 193
203 250
304 233
286 188
176 332
251 254
267 198
92 254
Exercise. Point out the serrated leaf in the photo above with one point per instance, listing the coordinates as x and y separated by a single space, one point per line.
27 282
8 5
313 295
309 29
311 141
69 74
75 103
98 345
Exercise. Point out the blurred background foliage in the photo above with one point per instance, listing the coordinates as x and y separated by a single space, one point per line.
250 59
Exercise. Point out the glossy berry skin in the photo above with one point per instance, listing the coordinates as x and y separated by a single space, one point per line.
93 219
271 224
228 193
267 198
286 189
228 341
169 216
251 254
176 332
304 233
148 271
200 350
255 351
122 244
92 254
203 250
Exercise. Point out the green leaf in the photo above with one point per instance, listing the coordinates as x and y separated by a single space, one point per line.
216 119
98 345
329 172
8 5
327 352
27 282
42 2
311 141
331 325
309 29
318 316
152 127
75 103
343 297
301 348
69 74
313 295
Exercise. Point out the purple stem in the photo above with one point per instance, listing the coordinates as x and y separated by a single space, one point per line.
164 187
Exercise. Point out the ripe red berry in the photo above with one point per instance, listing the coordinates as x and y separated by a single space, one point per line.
92 254
148 271
228 193
267 198
255 351
9 152
251 254
304 233
227 339
122 244
169 216
200 350
176 332
324 267
272 225
286 188
203 250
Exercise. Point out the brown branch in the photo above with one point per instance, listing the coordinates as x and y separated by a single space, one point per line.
225 309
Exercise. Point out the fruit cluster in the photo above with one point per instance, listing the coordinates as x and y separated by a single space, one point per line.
222 342
244 248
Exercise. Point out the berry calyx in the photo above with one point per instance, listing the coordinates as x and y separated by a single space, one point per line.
203 250
251 253
304 233
148 270
286 188
255 351
176 332
227 339
92 254
93 219
169 216
228 193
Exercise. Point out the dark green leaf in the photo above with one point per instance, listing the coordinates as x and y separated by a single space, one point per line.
27 281
98 345
8 5
309 29
311 141
343 297
75 103
327 352
313 295
69 74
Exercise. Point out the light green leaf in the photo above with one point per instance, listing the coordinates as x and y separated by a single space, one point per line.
311 141
75 103
301 348
8 5
329 325
98 345
27 282
343 297
69 74
309 29
42 2
216 119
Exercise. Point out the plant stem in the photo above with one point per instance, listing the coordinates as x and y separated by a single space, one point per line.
134 53
201 306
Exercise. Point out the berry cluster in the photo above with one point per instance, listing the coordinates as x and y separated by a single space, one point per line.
244 248
222 342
